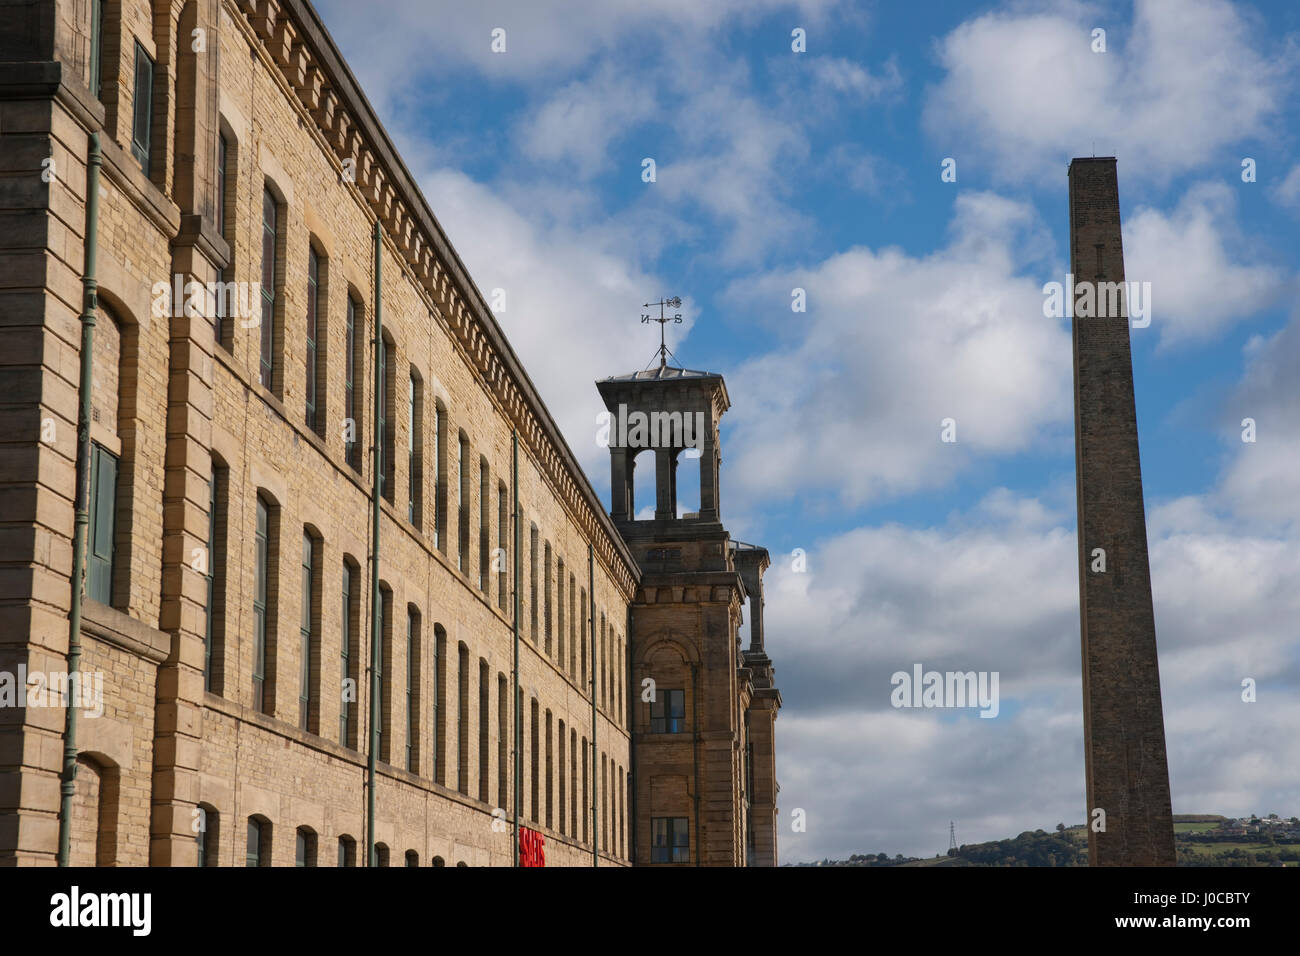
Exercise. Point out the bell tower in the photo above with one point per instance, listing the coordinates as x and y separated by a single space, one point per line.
704 707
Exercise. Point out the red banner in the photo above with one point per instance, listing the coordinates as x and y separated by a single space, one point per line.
532 848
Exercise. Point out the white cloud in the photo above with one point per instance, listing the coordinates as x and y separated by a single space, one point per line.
1192 257
890 346
1288 191
1023 92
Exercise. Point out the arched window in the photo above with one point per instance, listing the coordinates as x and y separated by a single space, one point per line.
305 854
229 303
412 689
532 580
309 634
503 740
535 756
686 483
214 645
573 783
440 477
582 615
387 415
209 836
316 337
265 593
644 492
437 708
462 720
95 811
347 851
350 653
412 858
550 774
353 382
503 530
484 520
546 595
559 611
384 727
573 627
484 726
463 502
110 492
381 854
586 797
272 251
438 861
415 449
561 766
258 852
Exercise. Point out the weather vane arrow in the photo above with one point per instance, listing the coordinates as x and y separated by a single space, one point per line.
663 319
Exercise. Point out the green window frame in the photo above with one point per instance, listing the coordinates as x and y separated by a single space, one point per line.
349 391
270 267
304 632
142 109
103 519
259 606
313 311
97 48
412 711
345 706
256 843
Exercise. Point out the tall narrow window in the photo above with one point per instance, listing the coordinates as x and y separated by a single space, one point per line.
534 757
550 774
573 627
347 851
484 518
209 835
385 421
259 842
586 798
532 581
546 595
582 611
412 689
484 726
97 48
573 784
142 118
351 382
223 163
668 712
313 311
270 268
103 512
259 606
437 710
561 767
309 676
503 529
305 854
503 740
462 721
559 611
414 451
347 656
462 509
440 478
384 727
670 840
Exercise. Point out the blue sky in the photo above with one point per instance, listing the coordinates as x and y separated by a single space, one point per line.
820 170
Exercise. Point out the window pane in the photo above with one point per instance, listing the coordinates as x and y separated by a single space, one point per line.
143 107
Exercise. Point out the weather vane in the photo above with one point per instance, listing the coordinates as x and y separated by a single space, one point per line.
664 318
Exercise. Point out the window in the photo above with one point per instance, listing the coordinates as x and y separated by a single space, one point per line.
573 627
386 355
484 724
208 837
384 727
309 673
259 842
440 478
583 602
259 606
223 197
573 783
381 854
560 766
503 529
347 851
315 302
534 756
559 611
462 511
550 774
668 712
414 451
586 800
532 581
142 119
214 626
96 48
306 847
670 840
503 740
412 689
351 383
484 517
462 721
103 512
546 596
270 269
436 712
349 654
412 858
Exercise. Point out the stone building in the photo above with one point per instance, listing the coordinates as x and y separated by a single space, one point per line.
236 440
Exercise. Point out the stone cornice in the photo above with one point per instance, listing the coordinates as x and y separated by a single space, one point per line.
294 38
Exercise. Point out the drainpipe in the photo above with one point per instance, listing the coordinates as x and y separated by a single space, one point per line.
519 717
695 752
89 287
631 745
591 617
376 609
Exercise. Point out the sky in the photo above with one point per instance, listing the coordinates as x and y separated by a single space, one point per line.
778 169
